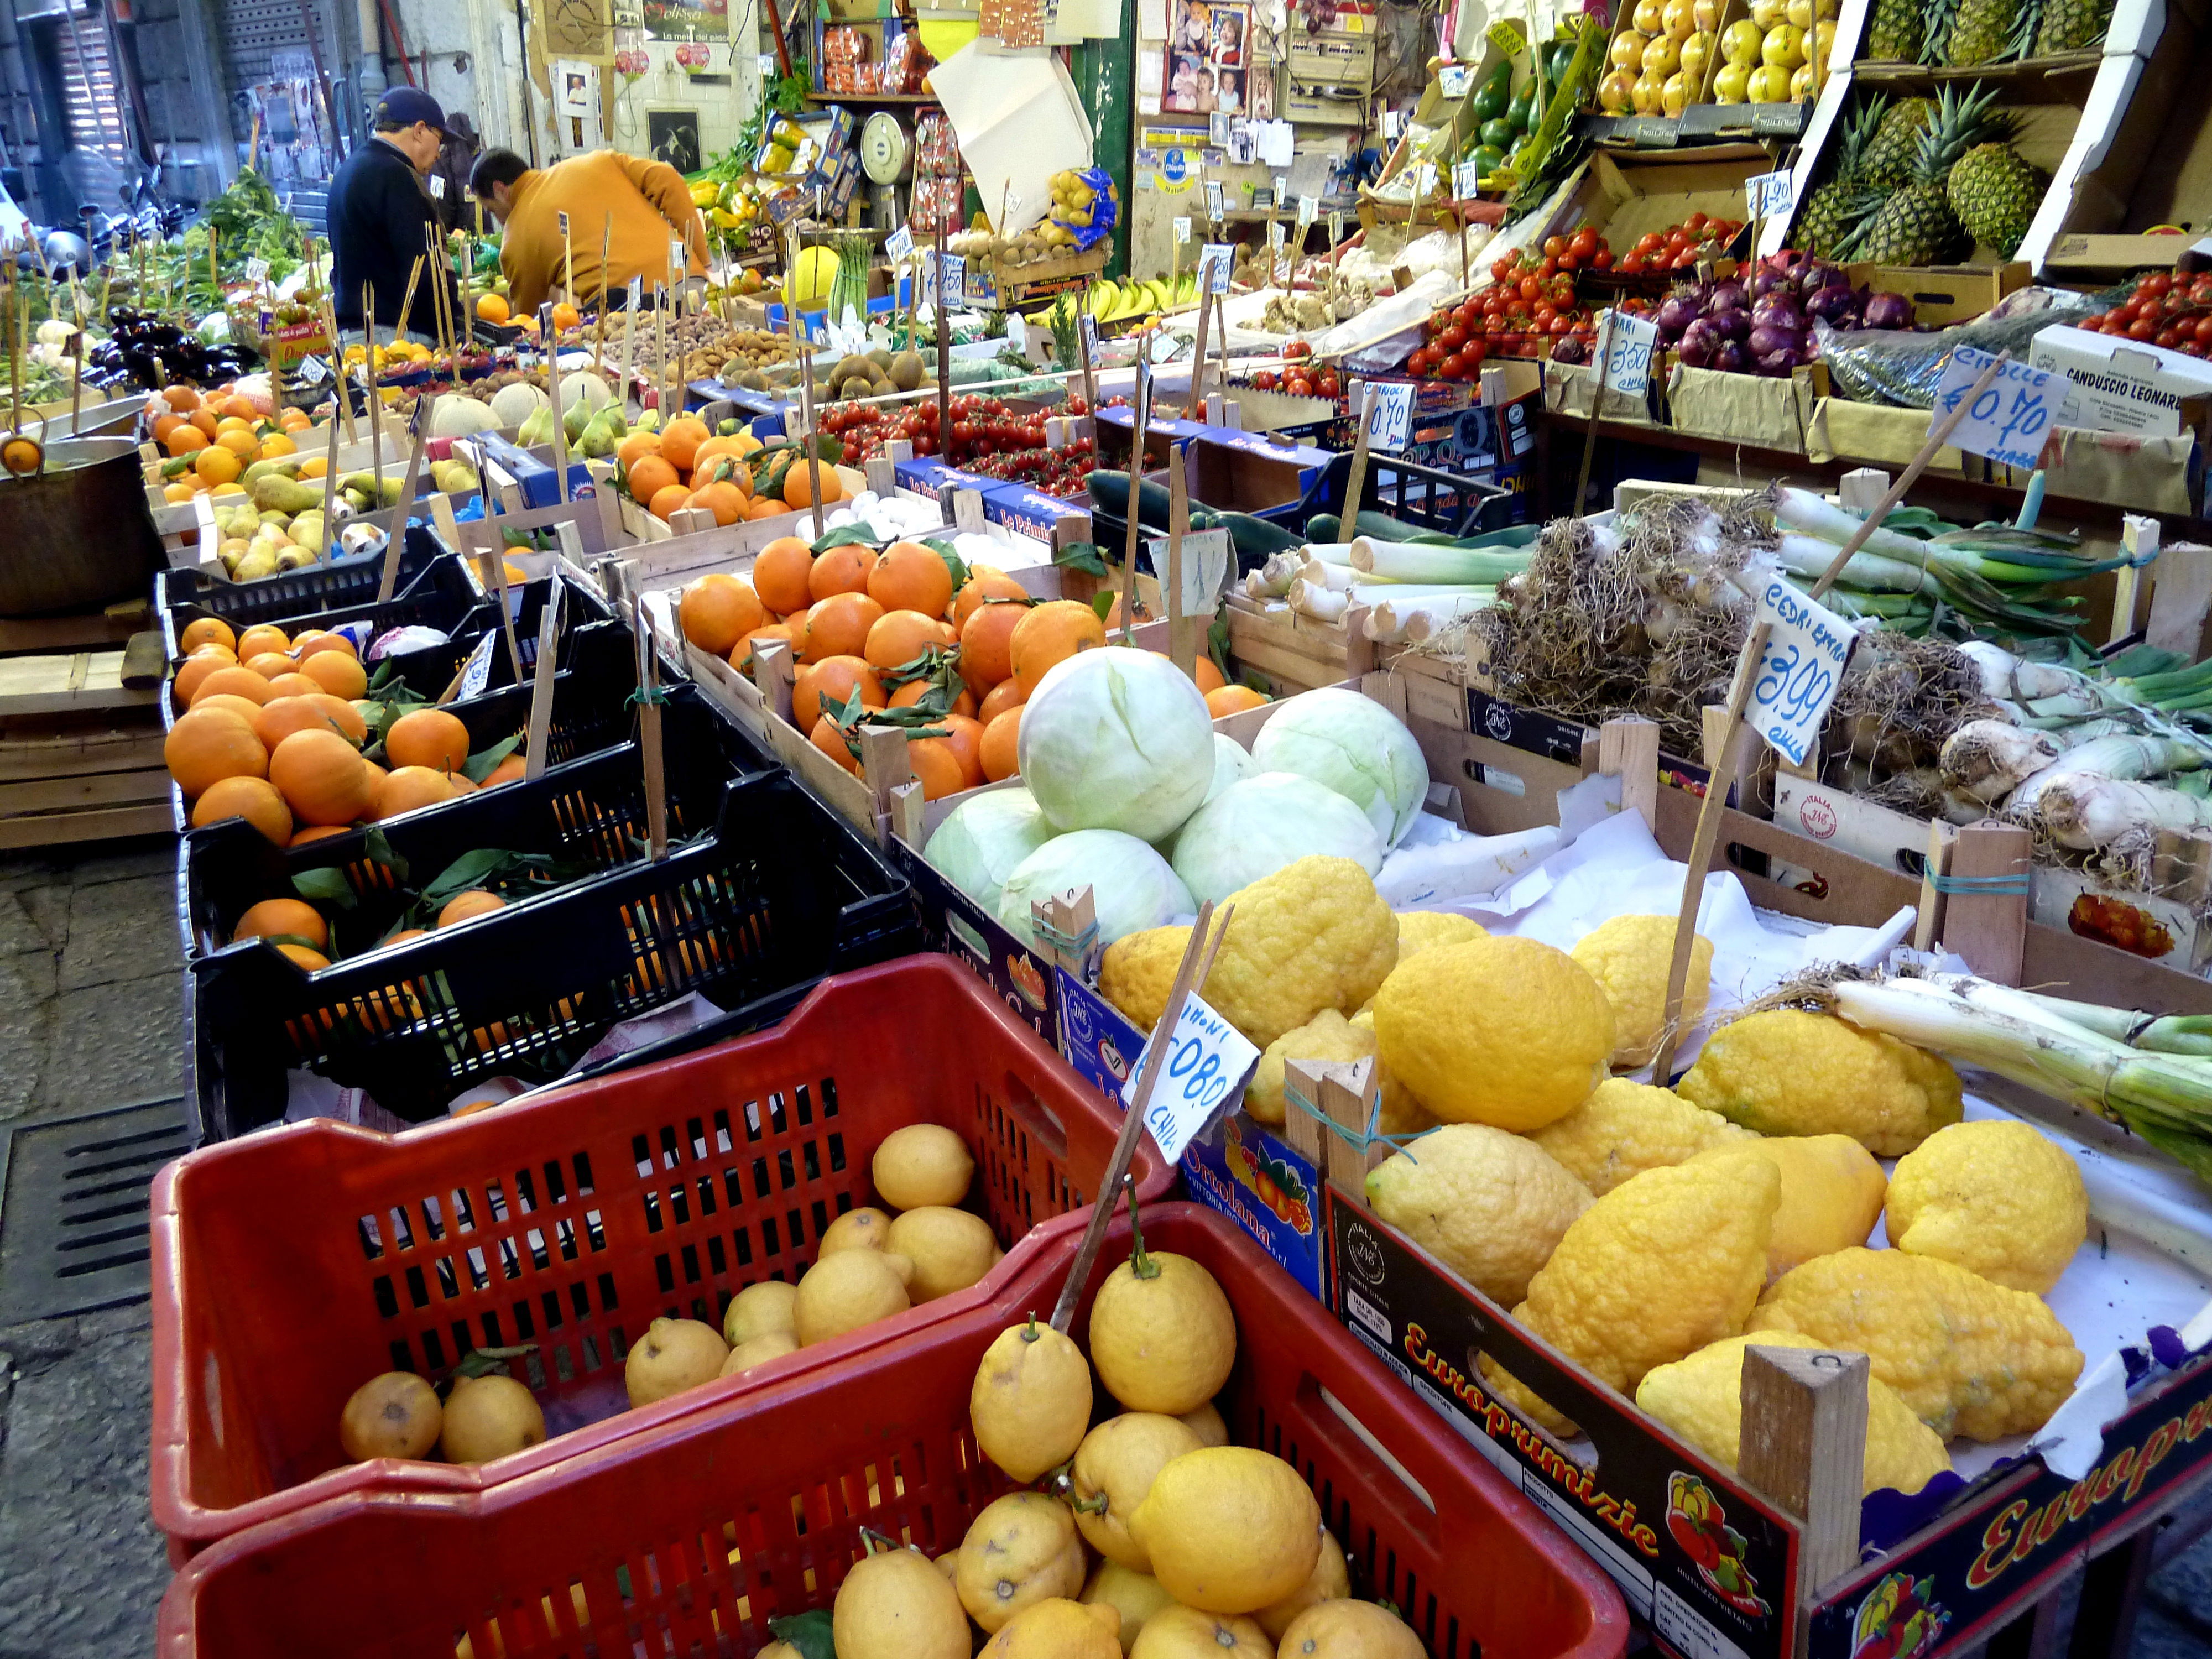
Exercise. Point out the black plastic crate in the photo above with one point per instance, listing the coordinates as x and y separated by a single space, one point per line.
770 891
297 594
1425 497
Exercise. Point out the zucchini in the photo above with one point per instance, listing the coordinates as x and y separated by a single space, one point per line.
1255 537
1110 489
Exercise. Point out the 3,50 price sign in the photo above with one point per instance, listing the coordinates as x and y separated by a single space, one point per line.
1797 676
1202 1070
2011 420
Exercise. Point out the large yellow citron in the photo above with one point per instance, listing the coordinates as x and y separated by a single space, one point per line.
810 279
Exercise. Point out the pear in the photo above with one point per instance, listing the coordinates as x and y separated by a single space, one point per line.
574 420
599 435
537 429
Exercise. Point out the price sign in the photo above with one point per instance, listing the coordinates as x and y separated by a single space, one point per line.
1466 179
1768 195
1013 202
898 244
1278 258
952 279
257 270
1308 210
475 673
637 292
1214 260
1628 342
1086 330
1143 391
1392 425
1797 676
1393 123
1506 36
312 371
678 261
1425 179
1203 1064
1453 80
564 225
1206 562
1182 229
438 188
1335 228
1213 198
2009 421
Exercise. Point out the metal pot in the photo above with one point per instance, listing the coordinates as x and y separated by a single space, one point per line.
78 535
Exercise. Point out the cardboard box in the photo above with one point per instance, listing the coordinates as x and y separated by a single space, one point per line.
1048 519
1746 409
1623 197
2167 926
2121 384
1943 294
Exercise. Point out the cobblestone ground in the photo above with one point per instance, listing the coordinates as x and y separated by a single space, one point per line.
89 985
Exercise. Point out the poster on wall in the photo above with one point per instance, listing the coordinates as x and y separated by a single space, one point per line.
688 19
1209 58
672 134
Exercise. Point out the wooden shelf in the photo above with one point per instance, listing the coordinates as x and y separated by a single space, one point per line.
898 97
2025 72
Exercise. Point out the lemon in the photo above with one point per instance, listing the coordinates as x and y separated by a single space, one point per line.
1135 1595
922 1164
757 1310
1178 1632
1114 1470
1505 1031
1832 1192
1630 958
950 1249
1349 1630
1056 1628
676 1354
1230 1529
897 1606
1204 1421
1162 1334
1999 1199
1022 1548
844 1291
489 1417
1031 1399
1329 1581
856 1229
1490 1206
394 1415
758 1351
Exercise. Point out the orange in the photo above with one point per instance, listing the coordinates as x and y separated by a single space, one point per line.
203 420
254 799
680 439
231 422
911 577
474 902
798 487
236 681
565 316
781 573
732 457
841 570
248 711
285 715
766 507
177 494
216 465
240 442
293 685
338 672
984 583
1008 692
1232 700
427 737
914 691
300 955
667 500
636 447
205 747
1208 674
409 787
1048 635
164 425
987 644
196 668
838 627
831 742
185 439
181 399
277 444
720 498
262 636
512 769
206 630
324 778
319 832
321 639
832 681
651 475
270 664
999 751
900 636
283 917
718 610
938 765
964 736
741 654
1113 614
402 936
492 307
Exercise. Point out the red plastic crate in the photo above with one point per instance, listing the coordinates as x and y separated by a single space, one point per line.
787 1474
291 1266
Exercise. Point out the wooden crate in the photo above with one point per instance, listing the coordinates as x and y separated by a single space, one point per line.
81 745
1293 652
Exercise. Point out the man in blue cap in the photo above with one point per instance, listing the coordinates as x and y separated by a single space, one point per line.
380 215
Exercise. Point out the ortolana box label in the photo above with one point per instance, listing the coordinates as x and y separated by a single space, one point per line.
955 924
1241 1169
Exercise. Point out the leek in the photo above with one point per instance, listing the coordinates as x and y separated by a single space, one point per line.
1418 617
1415 562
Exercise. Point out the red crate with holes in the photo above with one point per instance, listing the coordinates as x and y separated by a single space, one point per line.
688 1539
291 1266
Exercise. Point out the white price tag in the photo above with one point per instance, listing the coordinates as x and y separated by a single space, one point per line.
1214 260
1087 331
1768 195
2009 421
1013 202
1628 342
1393 123
1182 229
1203 1066
1453 80
1335 228
952 281
1144 403
898 244
1308 210
1467 179
1213 204
438 188
257 270
1392 425
564 227
1797 676
475 673
1205 569
1425 179
637 292
312 371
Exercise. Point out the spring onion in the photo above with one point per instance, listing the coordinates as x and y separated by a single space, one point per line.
2090 810
1989 759
1421 616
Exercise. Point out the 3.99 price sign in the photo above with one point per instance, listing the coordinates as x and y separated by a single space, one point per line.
1202 1071
1797 677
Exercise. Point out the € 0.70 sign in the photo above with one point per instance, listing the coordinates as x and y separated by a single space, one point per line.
2012 418
1203 1066
1392 425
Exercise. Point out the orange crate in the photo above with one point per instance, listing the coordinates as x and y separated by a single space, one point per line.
291 1266
687 1539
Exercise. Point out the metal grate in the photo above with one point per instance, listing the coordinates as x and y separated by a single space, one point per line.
74 1226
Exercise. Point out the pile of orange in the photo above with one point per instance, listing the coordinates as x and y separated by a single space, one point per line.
222 433
684 464
273 731
298 929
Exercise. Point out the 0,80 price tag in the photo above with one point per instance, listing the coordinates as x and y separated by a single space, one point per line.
1628 342
1214 260
1797 677
898 244
1202 1067
2012 419
1392 425
1768 195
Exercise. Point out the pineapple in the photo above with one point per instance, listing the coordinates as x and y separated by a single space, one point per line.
1889 153
1995 194
2072 25
1896 31
1916 226
1833 207
1987 31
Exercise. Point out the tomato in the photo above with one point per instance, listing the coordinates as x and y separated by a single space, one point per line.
1418 364
1329 387
1299 387
1583 243
1297 349
2143 328
1453 368
1631 265
1603 259
1568 262
1650 242
2169 337
1453 337
1530 288
1684 260
1554 247
1543 315
1696 222
2155 284
1265 381
1475 352
2203 330
1493 303
1469 314
1562 325
1548 269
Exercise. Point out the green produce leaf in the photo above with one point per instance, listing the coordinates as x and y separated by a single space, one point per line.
1216 645
326 886
481 765
379 850
849 535
953 563
1102 602
1081 556
472 869
810 1633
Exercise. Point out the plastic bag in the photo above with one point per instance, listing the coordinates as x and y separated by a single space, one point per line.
1876 366
1104 205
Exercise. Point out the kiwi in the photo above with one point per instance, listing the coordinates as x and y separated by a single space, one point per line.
880 357
856 386
753 381
848 365
906 370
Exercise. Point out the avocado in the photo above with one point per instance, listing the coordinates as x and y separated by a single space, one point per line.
1498 133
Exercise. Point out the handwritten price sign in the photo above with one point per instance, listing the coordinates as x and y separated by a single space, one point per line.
1182 229
1213 198
1453 80
1467 179
1392 425
1796 678
1202 1068
1213 262
898 244
1628 342
2012 418
1768 195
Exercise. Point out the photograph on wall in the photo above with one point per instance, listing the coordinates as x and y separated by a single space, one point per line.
1209 45
673 137
688 19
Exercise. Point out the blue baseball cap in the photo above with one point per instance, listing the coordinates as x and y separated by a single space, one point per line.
405 106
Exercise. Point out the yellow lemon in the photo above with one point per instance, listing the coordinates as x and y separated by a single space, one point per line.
1229 1528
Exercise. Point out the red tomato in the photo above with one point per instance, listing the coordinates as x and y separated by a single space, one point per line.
1683 260
1603 259
2203 330
2155 284
1650 242
1265 381
1583 243
1453 337
1500 269
1696 222
1554 247
1562 325
1418 364
1568 262
1530 288
1297 349
1439 322
1475 352
1543 315
1329 387
1468 314
2143 328
2169 337
1453 368
1550 267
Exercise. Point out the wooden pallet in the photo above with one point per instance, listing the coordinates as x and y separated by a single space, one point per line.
87 775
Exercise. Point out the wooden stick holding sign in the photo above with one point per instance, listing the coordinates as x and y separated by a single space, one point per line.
799 355
600 322
1142 408
938 313
497 560
1196 400
369 393
1356 479
1597 405
648 739
553 391
1197 963
1182 631
542 673
1747 668
396 538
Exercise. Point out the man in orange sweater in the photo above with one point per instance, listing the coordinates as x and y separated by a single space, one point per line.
650 202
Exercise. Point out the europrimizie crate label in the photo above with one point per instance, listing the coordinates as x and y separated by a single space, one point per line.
1711 1570
954 923
1525 729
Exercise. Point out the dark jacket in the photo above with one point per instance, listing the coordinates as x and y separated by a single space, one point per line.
377 212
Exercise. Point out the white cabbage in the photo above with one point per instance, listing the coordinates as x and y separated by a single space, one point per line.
1117 739
1354 745
1254 827
1232 763
984 838
1131 886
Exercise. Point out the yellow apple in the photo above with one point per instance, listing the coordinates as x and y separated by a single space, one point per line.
1741 43
1628 50
1662 57
1732 84
1783 47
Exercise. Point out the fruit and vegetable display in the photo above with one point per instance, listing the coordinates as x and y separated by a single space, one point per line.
1920 181
1683 246
731 474
2169 309
1971 33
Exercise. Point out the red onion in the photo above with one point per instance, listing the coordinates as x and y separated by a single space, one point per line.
1766 341
1698 341
1568 350
1831 303
1728 357
1888 311
1676 314
1726 297
1766 281
1819 276
1775 364
1729 324
1777 311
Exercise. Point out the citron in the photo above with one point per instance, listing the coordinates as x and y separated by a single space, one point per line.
1113 1474
1135 1595
863 1229
1230 1529
1349 1630
1162 1334
1490 1206
844 1291
1997 1199
675 1354
1329 1581
922 1164
896 1605
1631 957
1205 1423
1181 1632
489 1417
950 1249
758 1351
1057 1628
758 1309
1022 1548
1030 1402
1832 1193
394 1415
